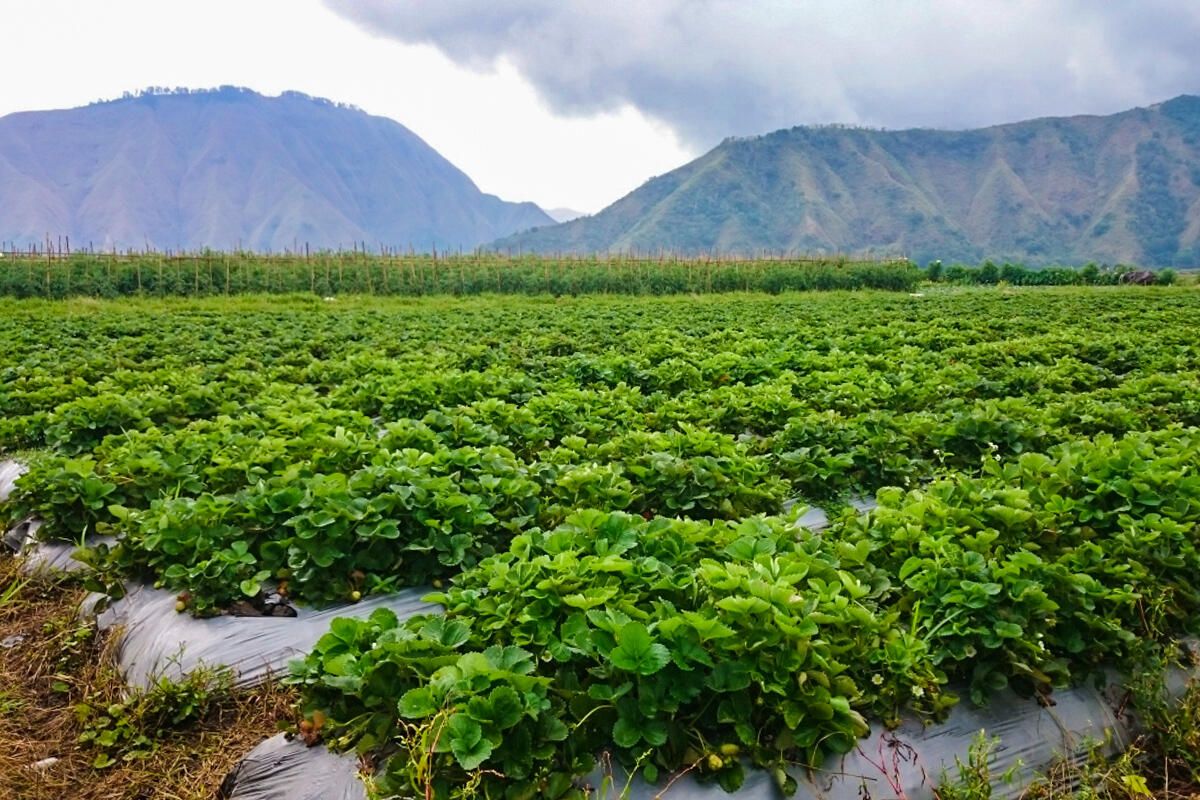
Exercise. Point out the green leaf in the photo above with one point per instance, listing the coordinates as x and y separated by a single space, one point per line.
467 744
792 713
626 733
1008 630
345 629
502 708
655 732
416 703
285 499
729 676
340 664
510 658
448 633
603 691
591 597
732 777
250 587
553 729
806 627
636 651
744 605
747 548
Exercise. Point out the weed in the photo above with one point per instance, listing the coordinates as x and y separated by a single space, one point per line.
974 780
133 727
56 664
1162 764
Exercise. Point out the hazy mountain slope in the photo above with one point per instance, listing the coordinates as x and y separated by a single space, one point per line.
1121 188
563 214
230 167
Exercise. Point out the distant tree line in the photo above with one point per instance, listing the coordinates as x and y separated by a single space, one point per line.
989 274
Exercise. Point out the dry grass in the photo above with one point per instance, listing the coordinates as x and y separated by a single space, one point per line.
57 665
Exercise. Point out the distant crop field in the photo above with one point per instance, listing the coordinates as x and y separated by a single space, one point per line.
60 275
599 489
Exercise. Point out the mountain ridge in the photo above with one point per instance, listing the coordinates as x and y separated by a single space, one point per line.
1117 188
232 168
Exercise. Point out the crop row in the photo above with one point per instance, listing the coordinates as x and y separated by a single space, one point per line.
676 644
273 454
292 488
156 274
602 482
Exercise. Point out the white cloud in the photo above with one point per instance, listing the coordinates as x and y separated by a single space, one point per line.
711 68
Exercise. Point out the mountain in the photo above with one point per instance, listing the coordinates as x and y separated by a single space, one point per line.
228 168
563 214
1121 188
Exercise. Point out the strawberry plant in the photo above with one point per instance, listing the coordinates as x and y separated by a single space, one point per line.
670 643
601 483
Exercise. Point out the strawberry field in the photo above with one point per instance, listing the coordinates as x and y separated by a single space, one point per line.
603 494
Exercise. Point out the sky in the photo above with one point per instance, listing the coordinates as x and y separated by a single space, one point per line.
492 124
576 102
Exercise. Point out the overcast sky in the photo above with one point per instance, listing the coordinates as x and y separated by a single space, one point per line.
575 102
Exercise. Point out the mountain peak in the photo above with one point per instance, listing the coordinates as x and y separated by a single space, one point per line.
229 167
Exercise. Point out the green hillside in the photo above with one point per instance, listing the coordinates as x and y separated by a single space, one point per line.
1121 188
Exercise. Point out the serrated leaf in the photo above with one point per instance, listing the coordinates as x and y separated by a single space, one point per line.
729 676
510 658
502 707
742 604
637 652
626 733
654 732
467 744
448 633
747 548
416 703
